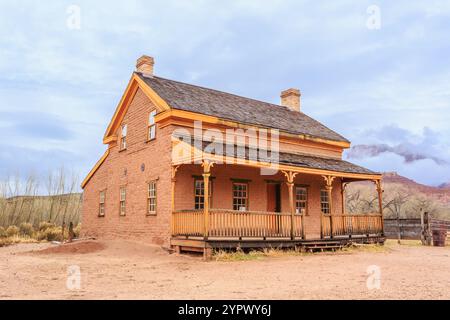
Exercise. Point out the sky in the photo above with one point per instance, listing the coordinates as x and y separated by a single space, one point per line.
377 72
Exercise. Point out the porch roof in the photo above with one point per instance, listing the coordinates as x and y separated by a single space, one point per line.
286 161
314 162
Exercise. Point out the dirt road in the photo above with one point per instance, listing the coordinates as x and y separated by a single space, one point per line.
127 270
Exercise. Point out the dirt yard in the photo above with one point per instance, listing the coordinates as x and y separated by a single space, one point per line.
127 270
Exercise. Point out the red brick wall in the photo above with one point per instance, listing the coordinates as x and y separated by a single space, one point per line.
156 157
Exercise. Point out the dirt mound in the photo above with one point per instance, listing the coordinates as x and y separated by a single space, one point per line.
81 247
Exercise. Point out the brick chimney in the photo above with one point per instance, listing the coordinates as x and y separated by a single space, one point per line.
291 98
145 64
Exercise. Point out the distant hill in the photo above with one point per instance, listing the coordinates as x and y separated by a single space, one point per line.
445 186
440 193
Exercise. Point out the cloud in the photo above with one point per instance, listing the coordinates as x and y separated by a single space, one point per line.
24 160
34 125
423 156
363 151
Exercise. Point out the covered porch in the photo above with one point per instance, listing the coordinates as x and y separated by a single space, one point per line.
223 205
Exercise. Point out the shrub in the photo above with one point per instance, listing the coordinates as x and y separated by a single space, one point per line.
45 225
26 229
50 234
12 231
5 242
77 230
3 233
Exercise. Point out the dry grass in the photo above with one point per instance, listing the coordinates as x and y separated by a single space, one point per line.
410 243
16 239
45 232
240 255
374 248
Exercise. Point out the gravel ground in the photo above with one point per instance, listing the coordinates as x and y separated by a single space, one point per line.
128 270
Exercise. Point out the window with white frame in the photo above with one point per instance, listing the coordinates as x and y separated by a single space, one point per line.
324 202
123 196
151 126
301 200
101 209
123 137
240 196
199 193
151 198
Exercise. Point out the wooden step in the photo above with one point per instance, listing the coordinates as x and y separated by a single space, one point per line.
323 248
321 243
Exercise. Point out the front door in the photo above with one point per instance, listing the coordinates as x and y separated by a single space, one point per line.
274 205
273 197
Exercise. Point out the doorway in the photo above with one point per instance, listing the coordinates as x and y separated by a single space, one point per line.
274 197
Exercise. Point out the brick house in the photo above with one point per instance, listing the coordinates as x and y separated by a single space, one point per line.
166 179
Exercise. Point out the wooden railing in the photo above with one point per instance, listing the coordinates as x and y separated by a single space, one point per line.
224 223
188 223
236 224
351 224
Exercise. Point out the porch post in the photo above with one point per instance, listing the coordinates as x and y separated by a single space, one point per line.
380 202
343 188
347 221
173 180
329 188
206 174
290 183
174 172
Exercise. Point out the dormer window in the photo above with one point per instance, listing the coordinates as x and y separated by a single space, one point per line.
123 138
151 126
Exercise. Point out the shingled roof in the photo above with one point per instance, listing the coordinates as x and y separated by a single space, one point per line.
187 97
329 164
292 159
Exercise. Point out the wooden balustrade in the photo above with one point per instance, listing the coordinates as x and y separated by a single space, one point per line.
351 224
224 223
236 224
188 223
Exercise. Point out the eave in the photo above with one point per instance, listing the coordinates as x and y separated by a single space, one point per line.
134 84
94 169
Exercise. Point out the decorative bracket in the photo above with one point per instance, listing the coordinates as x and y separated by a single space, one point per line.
378 186
344 186
174 172
328 181
207 165
290 176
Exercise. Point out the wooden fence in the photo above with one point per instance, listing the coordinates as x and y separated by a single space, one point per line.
407 228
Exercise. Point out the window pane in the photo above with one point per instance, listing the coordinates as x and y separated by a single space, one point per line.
199 193
151 203
240 196
152 132
324 203
301 198
124 130
151 118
